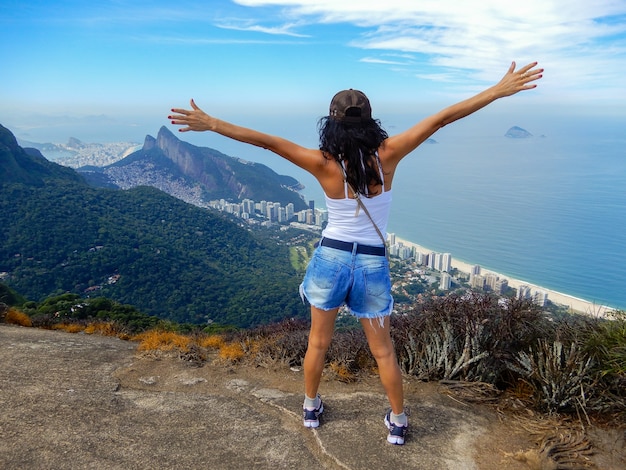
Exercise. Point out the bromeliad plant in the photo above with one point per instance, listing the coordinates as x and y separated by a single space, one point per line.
467 338
561 372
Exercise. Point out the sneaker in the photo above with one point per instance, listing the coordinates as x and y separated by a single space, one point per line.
396 432
312 416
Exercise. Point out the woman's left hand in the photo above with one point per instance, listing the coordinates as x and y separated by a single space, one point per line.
516 81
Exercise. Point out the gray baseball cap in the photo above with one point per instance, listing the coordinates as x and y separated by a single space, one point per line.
350 106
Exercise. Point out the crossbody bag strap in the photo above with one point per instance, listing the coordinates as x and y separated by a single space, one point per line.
380 234
357 196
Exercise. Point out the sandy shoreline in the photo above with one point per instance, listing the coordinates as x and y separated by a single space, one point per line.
574 303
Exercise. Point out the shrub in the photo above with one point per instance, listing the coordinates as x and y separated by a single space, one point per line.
606 344
288 348
560 372
464 338
3 311
278 343
594 349
349 354
17 317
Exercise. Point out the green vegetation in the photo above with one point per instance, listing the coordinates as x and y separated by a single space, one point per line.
72 309
9 297
144 248
139 247
299 257
28 166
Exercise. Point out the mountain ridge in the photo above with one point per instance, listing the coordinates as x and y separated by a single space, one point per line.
28 165
205 172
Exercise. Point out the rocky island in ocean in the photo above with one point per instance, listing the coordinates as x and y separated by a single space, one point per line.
516 132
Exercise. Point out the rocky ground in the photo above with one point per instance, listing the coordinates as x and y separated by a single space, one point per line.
75 401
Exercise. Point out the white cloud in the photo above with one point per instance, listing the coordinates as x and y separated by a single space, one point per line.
581 43
373 60
286 29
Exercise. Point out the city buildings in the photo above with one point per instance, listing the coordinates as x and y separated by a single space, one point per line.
267 213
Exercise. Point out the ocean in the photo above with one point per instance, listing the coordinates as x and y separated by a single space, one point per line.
546 210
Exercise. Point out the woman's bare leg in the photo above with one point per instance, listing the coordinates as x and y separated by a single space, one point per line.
322 328
379 340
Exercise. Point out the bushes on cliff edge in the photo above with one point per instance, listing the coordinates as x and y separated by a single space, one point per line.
555 363
17 317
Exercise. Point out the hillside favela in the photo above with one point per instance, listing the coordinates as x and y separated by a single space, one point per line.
192 256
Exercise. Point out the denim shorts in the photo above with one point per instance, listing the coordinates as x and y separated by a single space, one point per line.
361 282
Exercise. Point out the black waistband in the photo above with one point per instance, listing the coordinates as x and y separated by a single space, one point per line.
347 246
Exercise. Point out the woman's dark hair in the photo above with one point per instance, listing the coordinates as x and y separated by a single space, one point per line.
357 146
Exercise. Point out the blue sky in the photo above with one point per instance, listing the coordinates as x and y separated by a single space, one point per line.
113 69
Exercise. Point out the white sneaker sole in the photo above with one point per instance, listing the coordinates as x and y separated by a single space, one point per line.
314 424
395 440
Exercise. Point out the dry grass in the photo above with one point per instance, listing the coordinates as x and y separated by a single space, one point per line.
17 317
472 392
342 372
156 340
101 328
194 348
560 444
233 352
211 342
105 329
68 327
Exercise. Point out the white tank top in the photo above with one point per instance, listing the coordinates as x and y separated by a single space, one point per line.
349 223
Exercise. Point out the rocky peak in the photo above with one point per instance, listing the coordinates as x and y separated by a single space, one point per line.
516 132
149 143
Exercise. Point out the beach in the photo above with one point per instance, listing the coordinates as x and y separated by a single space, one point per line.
575 304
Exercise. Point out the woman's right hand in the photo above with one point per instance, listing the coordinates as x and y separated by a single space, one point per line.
195 119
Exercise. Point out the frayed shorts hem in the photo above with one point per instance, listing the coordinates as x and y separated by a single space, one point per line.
371 316
305 299
367 316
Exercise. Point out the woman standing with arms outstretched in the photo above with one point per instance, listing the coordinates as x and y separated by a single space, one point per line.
355 165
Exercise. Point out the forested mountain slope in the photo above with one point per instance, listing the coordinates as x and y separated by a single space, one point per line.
141 247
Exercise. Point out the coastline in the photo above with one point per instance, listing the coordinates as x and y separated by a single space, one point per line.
575 304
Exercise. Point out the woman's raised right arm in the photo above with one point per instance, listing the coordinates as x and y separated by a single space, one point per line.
197 120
